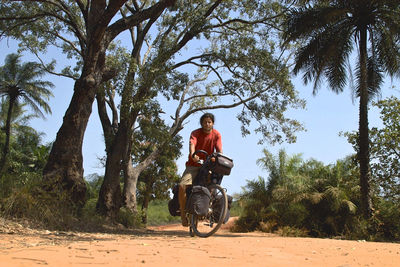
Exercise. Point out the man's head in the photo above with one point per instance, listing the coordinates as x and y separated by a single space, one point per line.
207 122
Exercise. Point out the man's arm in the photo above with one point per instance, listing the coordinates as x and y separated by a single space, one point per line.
192 148
218 145
196 158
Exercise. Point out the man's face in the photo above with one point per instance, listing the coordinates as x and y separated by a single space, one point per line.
207 125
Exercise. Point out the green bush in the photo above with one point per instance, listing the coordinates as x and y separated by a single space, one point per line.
292 231
158 214
236 210
386 221
129 219
40 207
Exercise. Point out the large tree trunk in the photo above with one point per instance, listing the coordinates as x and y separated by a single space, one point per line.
64 168
110 198
65 164
363 142
118 152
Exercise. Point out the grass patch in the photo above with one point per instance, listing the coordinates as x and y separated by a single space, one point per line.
158 214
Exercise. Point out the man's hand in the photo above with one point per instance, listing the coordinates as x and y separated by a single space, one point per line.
196 158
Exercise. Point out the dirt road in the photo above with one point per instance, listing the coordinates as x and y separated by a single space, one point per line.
172 246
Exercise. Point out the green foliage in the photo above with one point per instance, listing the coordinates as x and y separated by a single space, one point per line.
156 180
292 232
27 155
385 150
387 224
44 208
93 183
129 219
20 85
19 82
158 214
299 194
234 60
310 198
89 216
328 32
342 23
236 209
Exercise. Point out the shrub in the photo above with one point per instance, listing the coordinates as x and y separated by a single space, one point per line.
158 213
40 207
292 231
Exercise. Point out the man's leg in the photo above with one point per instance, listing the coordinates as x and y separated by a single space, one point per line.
182 204
187 178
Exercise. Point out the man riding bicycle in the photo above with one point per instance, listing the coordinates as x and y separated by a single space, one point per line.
205 138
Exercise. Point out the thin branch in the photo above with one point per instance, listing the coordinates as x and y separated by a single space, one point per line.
71 22
45 68
185 91
111 103
147 53
66 41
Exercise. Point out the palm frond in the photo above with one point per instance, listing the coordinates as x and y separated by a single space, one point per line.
301 23
326 55
350 206
315 197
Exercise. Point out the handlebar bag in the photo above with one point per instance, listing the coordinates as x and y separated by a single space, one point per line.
199 201
222 165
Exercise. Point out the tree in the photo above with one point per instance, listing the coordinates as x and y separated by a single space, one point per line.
233 66
27 155
385 151
156 180
83 30
19 84
330 30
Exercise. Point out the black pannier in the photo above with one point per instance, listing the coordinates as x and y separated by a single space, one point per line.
222 165
173 204
199 201
217 206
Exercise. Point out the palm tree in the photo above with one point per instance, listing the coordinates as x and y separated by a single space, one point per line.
19 84
330 31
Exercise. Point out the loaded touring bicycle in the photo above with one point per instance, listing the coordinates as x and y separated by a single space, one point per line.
207 205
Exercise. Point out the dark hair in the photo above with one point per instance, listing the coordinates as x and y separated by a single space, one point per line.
207 115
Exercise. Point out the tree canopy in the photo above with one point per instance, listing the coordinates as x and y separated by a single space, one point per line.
20 84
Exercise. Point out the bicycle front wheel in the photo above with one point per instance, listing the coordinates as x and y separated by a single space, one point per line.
205 226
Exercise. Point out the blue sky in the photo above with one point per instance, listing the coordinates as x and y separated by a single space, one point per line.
325 116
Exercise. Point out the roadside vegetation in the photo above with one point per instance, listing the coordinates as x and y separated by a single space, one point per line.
308 198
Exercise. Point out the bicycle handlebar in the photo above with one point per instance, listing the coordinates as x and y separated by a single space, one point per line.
200 151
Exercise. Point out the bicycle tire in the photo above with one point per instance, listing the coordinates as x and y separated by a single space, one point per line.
207 225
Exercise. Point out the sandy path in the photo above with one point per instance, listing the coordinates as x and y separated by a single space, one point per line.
172 246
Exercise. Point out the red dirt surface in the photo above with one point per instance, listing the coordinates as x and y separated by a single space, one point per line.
171 245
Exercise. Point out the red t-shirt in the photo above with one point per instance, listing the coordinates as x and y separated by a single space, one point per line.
209 142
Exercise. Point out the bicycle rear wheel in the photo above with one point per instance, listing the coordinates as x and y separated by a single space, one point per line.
205 226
